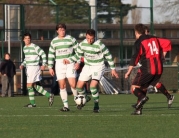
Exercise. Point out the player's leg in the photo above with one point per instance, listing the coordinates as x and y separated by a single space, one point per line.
139 89
63 95
31 73
41 90
31 94
164 91
85 75
71 74
97 73
95 94
36 76
60 71
72 83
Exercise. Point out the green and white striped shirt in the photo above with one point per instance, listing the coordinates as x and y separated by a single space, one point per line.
61 49
32 55
93 54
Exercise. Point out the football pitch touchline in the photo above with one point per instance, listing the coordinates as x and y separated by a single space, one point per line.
169 115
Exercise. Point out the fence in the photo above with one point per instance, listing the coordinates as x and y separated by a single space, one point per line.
16 19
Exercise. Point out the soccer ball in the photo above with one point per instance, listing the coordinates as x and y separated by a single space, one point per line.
80 100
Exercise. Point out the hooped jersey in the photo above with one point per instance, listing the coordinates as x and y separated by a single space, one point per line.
32 55
149 51
93 54
61 49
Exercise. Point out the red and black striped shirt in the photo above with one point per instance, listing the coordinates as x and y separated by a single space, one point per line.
149 52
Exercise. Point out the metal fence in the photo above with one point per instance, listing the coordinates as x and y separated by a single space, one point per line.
15 18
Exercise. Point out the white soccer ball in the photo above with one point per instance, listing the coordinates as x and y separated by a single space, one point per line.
80 100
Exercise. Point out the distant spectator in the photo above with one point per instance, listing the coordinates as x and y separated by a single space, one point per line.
8 70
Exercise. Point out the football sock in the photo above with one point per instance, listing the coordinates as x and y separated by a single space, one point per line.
163 90
95 94
31 95
139 94
63 94
80 91
74 91
41 90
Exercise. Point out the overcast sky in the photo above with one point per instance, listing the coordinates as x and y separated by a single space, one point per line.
143 3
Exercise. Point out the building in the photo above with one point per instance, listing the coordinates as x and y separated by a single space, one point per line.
108 33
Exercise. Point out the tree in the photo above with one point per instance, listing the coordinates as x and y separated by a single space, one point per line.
136 13
43 11
76 11
169 9
108 10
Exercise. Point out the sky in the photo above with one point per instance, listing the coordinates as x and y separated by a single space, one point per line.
143 3
145 11
157 17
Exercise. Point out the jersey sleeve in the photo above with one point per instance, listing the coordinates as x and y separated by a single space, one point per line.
23 62
107 56
165 44
137 53
78 54
51 56
42 54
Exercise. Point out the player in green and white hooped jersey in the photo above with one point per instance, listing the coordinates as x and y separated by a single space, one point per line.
63 47
94 53
32 54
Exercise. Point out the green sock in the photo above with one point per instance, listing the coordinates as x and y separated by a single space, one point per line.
41 90
31 95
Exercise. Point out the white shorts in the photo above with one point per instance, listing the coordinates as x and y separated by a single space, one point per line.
33 74
92 72
65 70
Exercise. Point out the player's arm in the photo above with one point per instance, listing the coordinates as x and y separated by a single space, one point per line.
51 59
23 64
51 56
107 56
165 44
75 58
128 72
42 54
135 58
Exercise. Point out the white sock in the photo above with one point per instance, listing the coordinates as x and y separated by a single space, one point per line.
74 91
63 94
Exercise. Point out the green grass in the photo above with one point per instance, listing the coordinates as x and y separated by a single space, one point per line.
113 121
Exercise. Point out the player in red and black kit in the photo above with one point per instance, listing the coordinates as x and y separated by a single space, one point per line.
150 51
169 97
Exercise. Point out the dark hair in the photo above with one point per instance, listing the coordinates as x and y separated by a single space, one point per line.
6 54
26 34
90 32
140 28
147 29
60 25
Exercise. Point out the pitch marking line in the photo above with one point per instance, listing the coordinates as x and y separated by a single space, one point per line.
169 115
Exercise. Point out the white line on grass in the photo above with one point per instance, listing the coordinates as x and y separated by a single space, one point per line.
94 114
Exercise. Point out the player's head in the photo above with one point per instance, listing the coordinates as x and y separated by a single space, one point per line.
147 31
27 38
139 30
61 29
90 36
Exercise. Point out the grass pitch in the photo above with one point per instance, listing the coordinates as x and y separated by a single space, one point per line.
113 121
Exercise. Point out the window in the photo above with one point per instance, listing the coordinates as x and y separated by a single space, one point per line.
172 33
158 33
128 34
115 34
34 34
52 34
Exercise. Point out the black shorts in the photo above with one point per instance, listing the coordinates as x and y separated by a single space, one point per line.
144 80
